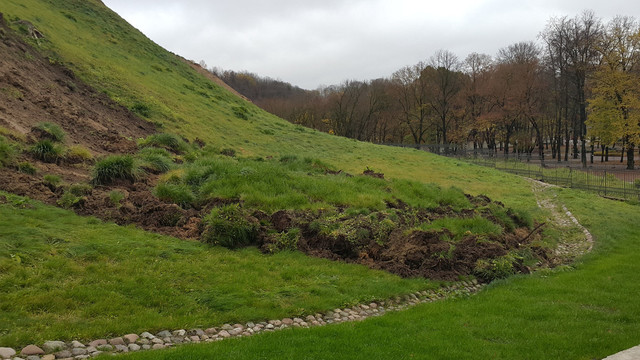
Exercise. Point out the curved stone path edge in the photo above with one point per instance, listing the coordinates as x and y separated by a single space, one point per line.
77 350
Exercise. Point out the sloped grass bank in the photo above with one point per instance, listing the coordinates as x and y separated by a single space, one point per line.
63 277
586 311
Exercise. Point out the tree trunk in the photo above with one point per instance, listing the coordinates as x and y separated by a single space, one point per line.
630 157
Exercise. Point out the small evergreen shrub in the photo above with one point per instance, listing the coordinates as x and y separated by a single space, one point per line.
230 227
116 167
47 151
51 131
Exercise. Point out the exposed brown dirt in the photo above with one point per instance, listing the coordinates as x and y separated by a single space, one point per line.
35 89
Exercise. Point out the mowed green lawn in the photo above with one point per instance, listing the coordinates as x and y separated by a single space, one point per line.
68 277
586 311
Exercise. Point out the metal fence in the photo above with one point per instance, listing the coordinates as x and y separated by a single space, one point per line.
619 184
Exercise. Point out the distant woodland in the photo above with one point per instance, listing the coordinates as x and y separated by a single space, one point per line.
576 89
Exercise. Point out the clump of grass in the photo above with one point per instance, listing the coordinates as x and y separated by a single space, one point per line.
80 189
287 240
231 227
69 200
460 227
47 151
51 131
168 141
7 152
116 167
176 193
115 197
78 154
27 168
155 160
52 181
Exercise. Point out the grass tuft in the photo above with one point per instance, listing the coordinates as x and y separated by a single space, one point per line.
116 167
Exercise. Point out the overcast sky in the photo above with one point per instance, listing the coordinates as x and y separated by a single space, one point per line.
323 42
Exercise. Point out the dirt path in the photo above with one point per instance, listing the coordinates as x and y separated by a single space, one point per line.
576 240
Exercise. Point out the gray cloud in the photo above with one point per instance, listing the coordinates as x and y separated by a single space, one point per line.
309 43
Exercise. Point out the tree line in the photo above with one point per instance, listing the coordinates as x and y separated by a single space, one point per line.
574 91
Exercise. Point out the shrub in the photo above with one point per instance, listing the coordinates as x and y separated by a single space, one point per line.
27 168
176 193
46 150
116 167
168 141
7 152
230 227
51 131
78 154
115 197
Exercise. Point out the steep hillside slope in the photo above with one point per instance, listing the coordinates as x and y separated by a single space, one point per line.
34 89
118 60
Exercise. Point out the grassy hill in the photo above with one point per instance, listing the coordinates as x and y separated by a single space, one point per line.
64 276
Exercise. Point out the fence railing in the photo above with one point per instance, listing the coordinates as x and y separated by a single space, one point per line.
624 185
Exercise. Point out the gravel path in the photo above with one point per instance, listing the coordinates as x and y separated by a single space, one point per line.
577 240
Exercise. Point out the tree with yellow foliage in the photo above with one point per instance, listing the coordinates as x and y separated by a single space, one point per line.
615 102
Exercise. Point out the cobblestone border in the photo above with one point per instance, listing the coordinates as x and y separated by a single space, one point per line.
77 350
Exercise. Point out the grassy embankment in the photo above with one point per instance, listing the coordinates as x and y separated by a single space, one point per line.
586 311
553 312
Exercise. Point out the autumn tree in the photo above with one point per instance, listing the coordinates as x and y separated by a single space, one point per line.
615 105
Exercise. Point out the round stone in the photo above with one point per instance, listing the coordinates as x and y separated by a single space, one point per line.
31 350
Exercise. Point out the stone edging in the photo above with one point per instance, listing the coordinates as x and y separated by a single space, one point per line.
76 350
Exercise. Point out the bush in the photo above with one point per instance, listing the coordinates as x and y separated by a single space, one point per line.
46 150
78 154
7 152
168 141
27 168
230 227
116 167
176 193
51 131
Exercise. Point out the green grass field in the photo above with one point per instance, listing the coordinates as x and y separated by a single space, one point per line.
65 277
586 311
